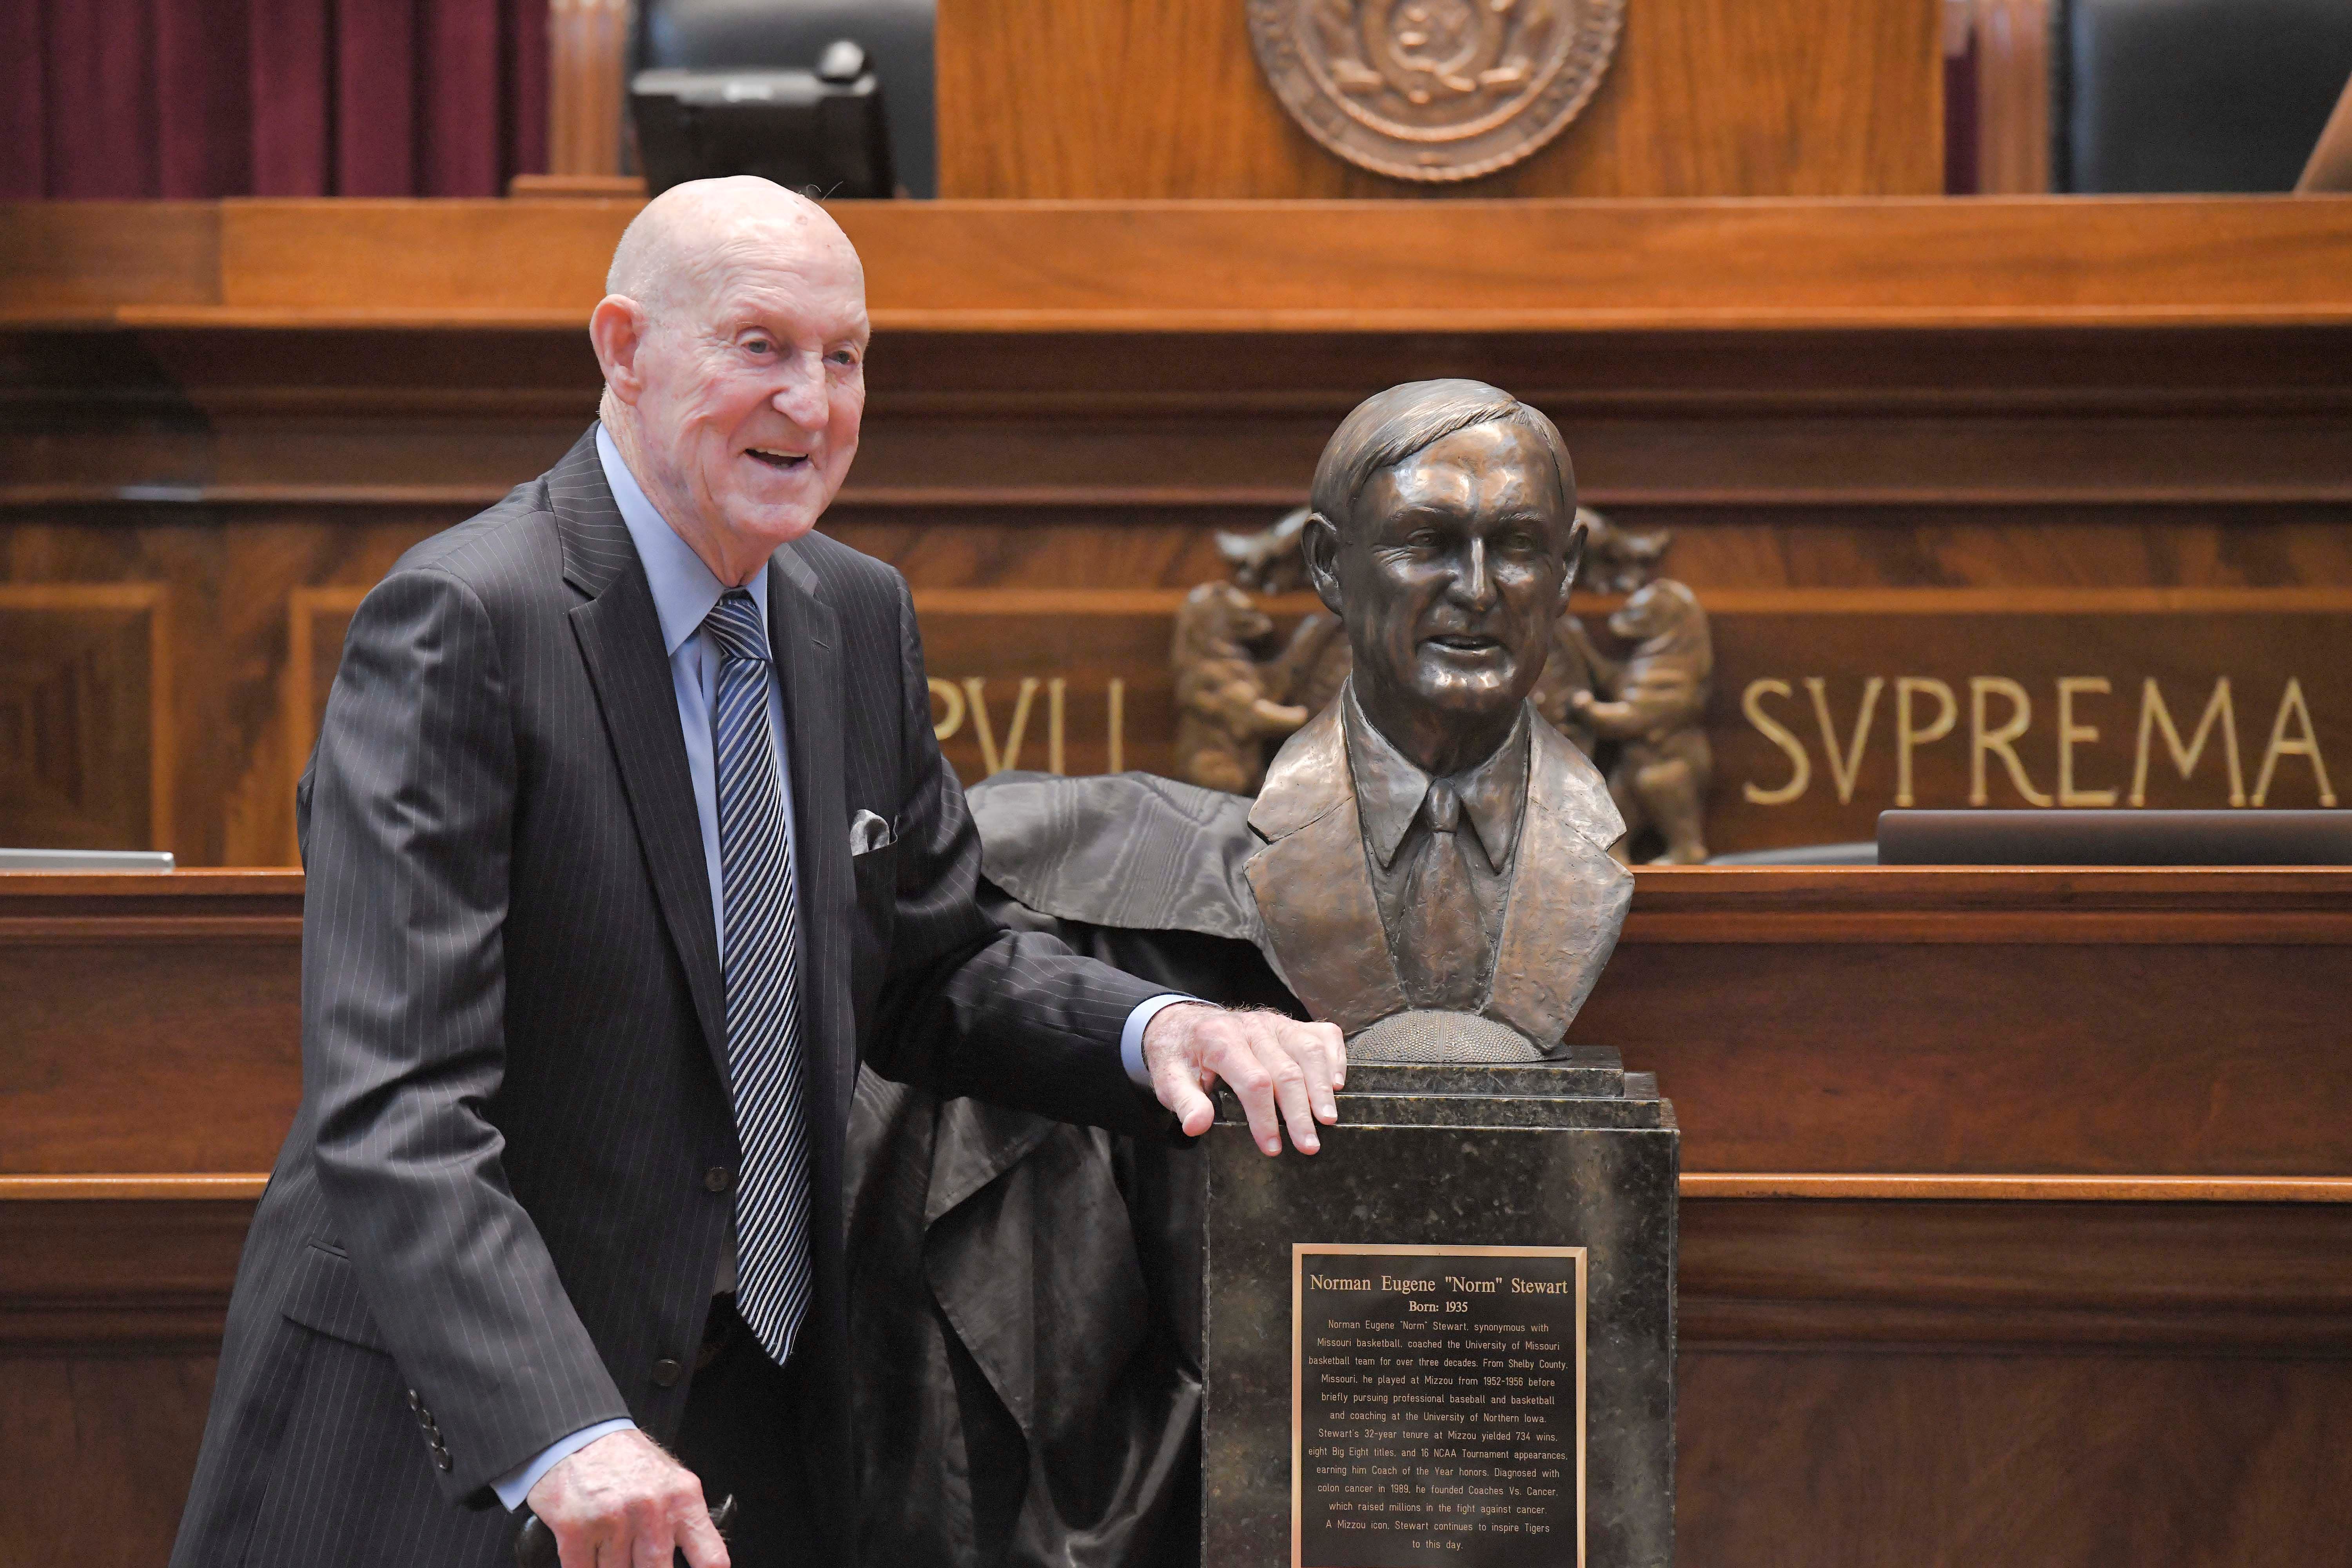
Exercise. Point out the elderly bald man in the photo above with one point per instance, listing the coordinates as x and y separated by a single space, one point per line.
627 838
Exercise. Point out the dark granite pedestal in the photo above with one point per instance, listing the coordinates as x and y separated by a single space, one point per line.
1449 1336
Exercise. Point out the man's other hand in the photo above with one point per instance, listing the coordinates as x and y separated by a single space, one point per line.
1272 1064
622 1502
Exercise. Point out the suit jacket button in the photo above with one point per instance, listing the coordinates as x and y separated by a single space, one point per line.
718 1179
667 1372
441 1458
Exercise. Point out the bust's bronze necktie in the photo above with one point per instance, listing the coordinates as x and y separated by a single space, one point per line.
1442 943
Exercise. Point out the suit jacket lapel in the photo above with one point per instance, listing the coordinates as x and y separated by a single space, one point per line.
1568 896
1314 893
803 633
620 639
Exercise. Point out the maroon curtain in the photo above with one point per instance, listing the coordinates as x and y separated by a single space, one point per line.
133 99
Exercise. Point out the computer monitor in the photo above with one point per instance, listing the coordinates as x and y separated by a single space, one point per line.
821 132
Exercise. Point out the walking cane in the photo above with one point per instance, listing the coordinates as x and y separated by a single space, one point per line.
535 1547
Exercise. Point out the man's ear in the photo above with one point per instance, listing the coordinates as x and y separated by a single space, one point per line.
1573 559
1318 543
617 330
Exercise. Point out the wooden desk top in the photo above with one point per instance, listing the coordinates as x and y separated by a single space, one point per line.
1551 265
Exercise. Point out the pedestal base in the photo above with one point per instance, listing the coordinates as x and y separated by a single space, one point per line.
1448 1338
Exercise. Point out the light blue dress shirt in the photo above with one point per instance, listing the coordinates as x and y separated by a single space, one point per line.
685 592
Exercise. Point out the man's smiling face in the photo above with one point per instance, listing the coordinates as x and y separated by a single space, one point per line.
733 344
1457 562
754 392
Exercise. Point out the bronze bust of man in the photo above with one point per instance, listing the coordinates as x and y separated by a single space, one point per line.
1430 844
1427 863
1426 867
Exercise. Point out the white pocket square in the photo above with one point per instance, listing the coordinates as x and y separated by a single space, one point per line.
869 832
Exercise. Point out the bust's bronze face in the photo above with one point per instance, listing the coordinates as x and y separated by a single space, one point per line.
1448 574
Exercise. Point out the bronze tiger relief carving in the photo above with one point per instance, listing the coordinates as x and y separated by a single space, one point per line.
1228 703
1653 704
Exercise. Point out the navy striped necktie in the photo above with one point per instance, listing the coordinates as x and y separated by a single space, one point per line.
762 977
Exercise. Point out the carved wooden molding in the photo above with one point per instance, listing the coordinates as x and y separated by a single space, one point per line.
85 704
310 672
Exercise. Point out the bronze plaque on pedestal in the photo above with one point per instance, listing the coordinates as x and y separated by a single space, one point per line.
1437 1405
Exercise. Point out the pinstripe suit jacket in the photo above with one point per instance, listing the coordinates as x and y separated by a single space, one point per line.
493 1221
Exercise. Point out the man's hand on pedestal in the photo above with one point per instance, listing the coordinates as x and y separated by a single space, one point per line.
622 1502
1283 1071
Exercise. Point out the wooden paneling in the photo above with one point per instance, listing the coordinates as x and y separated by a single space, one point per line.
2183 1277
1829 706
1705 98
1839 1459
264 479
1917 1361
99 1450
1464 266
78 260
2052 1022
86 757
1861 1385
154 1023
1031 429
2092 1023
151 1273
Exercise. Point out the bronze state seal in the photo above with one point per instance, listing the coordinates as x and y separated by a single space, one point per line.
1434 89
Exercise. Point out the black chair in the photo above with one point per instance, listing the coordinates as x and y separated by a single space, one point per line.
724 35
2194 94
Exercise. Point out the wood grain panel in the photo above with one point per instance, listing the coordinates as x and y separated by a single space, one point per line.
72 261
2047 1023
1873 1368
1866 1384
1837 1459
317 622
261 595
133 1276
153 1022
87 759
99 1450
1815 1459
1705 98
2186 1277
2029 1058
2148 1276
245 465
1240 265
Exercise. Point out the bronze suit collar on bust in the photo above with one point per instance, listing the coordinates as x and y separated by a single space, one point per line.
1322 922
1390 789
